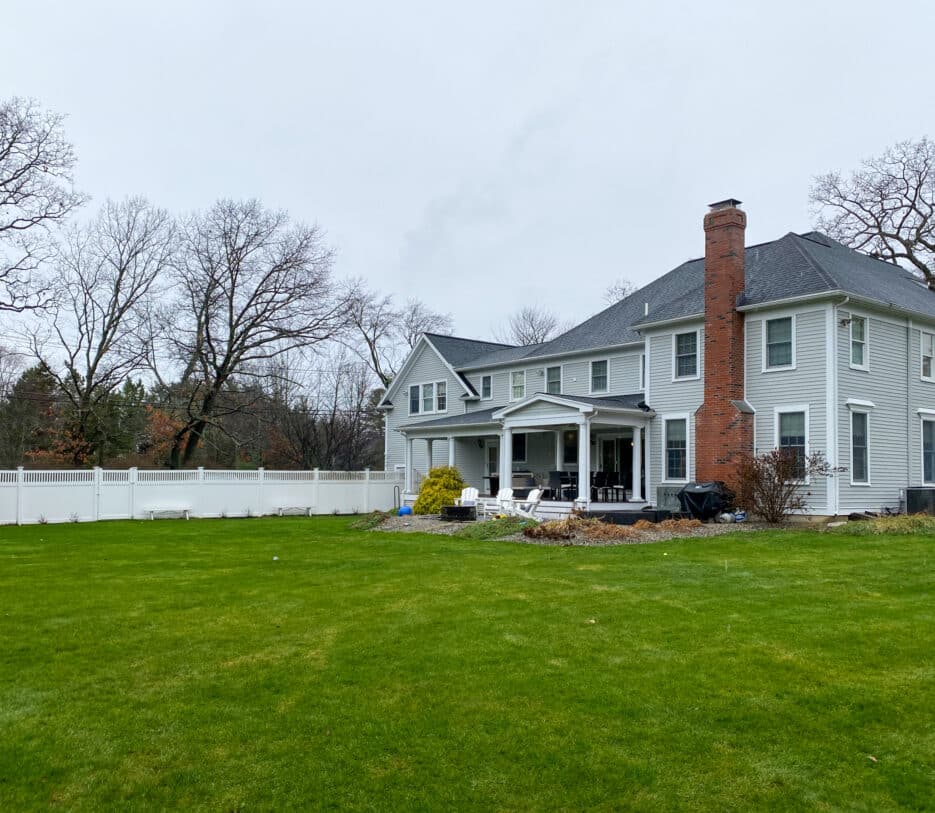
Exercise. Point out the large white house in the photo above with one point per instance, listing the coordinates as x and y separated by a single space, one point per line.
799 343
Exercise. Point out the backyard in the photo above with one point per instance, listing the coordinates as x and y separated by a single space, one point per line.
180 664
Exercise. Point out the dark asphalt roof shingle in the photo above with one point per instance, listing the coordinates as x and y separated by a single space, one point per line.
795 265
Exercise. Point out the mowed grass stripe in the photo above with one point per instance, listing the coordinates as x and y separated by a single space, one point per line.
175 664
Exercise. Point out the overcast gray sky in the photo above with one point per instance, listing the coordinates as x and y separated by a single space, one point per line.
486 154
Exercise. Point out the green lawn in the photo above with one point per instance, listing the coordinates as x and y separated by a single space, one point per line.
175 664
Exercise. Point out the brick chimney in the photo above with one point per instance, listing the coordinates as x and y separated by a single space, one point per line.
722 430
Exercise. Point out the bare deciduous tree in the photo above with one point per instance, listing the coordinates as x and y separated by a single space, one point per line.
531 325
104 273
253 286
382 334
886 208
36 191
620 289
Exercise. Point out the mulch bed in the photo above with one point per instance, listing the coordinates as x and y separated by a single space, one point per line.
427 523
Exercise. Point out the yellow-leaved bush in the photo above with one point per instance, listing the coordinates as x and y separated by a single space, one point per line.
442 486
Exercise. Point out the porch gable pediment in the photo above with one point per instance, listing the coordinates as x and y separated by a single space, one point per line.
540 403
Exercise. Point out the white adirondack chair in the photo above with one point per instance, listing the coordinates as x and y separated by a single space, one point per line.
468 496
496 505
526 507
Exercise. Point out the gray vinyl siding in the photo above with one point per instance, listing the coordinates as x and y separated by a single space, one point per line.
886 386
469 460
921 396
806 384
667 396
426 367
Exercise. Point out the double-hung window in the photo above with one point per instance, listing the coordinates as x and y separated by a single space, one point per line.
676 447
428 398
791 431
486 387
518 385
599 376
928 356
686 355
860 448
859 359
779 344
928 450
553 380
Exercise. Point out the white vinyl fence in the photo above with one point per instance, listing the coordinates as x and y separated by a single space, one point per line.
28 497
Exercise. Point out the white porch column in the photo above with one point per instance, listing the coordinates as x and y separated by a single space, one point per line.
451 451
584 461
506 458
637 494
428 451
408 484
558 450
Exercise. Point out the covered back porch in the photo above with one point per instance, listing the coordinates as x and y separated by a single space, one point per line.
585 453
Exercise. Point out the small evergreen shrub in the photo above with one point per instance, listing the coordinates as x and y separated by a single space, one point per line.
442 487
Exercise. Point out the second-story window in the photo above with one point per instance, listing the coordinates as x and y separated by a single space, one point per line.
928 356
518 385
553 380
686 355
486 387
779 343
599 376
428 398
859 343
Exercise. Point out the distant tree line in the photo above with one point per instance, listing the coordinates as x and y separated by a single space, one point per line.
220 338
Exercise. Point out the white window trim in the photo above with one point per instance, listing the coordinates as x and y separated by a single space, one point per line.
525 449
642 372
764 367
866 342
676 416
489 397
422 385
781 410
859 483
924 415
591 390
516 372
561 377
922 335
697 374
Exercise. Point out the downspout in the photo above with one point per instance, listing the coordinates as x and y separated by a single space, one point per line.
908 402
834 500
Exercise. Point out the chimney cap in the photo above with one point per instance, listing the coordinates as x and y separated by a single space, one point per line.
729 203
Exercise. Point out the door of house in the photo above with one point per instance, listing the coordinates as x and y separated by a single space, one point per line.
492 465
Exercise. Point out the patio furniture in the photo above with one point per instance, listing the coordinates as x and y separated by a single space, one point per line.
525 507
562 486
458 513
468 496
488 506
599 485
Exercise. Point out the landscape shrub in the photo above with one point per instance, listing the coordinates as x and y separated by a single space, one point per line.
442 487
772 485
495 528
368 522
921 524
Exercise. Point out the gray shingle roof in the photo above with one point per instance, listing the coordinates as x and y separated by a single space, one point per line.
459 352
467 419
795 265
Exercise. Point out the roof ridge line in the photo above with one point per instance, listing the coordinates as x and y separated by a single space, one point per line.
476 341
